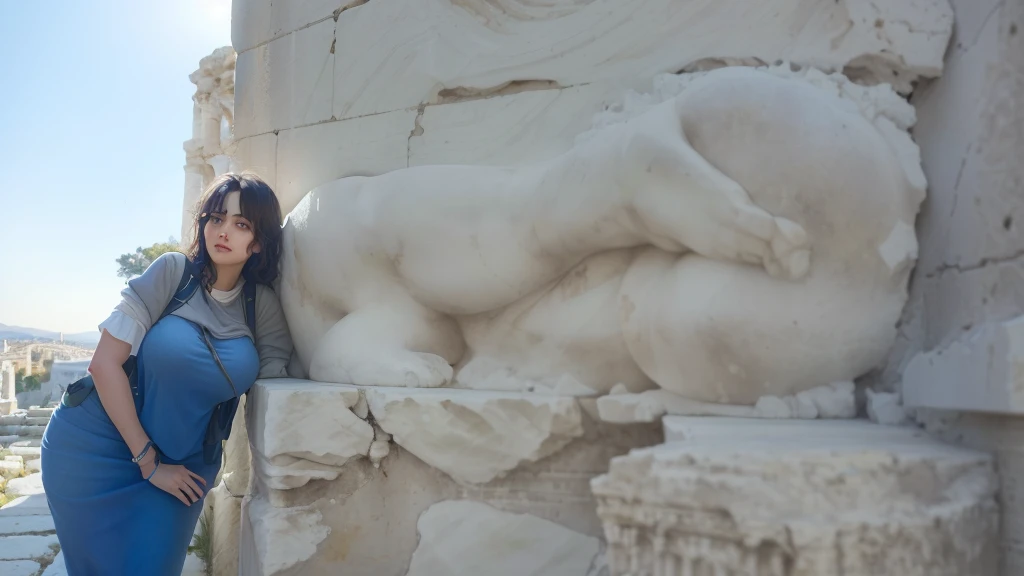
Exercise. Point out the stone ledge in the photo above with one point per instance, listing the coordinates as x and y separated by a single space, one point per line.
785 498
982 372
302 430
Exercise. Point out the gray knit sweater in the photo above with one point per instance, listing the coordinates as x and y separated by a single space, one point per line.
220 312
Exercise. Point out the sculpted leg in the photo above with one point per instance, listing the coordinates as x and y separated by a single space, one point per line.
389 344
688 204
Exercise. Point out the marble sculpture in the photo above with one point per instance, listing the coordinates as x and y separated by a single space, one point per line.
751 235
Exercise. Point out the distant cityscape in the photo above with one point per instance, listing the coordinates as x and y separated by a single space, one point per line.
14 334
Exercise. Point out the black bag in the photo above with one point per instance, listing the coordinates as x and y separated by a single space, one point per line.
224 413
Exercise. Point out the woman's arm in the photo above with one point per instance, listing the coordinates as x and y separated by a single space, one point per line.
272 338
116 395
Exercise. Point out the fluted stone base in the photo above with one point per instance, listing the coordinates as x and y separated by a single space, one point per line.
734 497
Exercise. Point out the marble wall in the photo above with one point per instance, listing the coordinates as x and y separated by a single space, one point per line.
332 88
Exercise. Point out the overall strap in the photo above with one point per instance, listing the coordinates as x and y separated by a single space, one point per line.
187 287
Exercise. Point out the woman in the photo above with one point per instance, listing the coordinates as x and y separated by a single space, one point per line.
126 469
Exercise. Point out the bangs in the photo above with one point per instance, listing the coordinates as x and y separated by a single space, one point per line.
214 203
248 200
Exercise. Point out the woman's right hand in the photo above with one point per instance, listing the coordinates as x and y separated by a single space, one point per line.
179 482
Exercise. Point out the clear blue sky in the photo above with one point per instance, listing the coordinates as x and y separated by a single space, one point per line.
95 103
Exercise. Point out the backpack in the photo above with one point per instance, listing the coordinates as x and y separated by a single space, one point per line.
219 427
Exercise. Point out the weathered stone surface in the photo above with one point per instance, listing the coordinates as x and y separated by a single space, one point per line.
26 547
19 567
258 154
26 506
452 534
302 430
475 436
835 400
10 469
983 371
57 568
801 500
436 49
283 538
286 83
23 524
507 130
225 510
313 155
27 486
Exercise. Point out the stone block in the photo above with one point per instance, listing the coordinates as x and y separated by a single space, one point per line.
302 430
969 132
37 412
33 465
286 83
369 513
250 23
255 22
37 420
26 506
834 400
27 443
475 436
27 486
531 126
24 524
519 544
313 155
25 451
800 499
10 469
237 456
982 371
226 513
436 49
26 547
19 567
258 154
17 419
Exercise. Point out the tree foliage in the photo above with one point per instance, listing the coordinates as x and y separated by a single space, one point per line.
135 263
24 383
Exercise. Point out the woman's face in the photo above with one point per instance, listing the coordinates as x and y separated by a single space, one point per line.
229 235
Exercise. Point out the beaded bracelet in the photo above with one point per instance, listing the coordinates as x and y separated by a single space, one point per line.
142 454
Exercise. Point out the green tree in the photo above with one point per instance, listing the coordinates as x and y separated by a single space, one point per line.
23 383
135 263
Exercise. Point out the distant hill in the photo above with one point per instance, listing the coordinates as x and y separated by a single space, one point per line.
22 333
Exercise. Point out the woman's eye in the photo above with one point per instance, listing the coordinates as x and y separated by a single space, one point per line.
243 225
215 220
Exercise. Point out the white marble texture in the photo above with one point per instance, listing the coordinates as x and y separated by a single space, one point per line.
983 371
473 436
439 48
286 452
501 273
520 544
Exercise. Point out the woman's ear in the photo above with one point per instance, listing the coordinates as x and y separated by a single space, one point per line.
255 248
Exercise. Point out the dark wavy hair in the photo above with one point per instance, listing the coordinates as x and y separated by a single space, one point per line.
260 207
